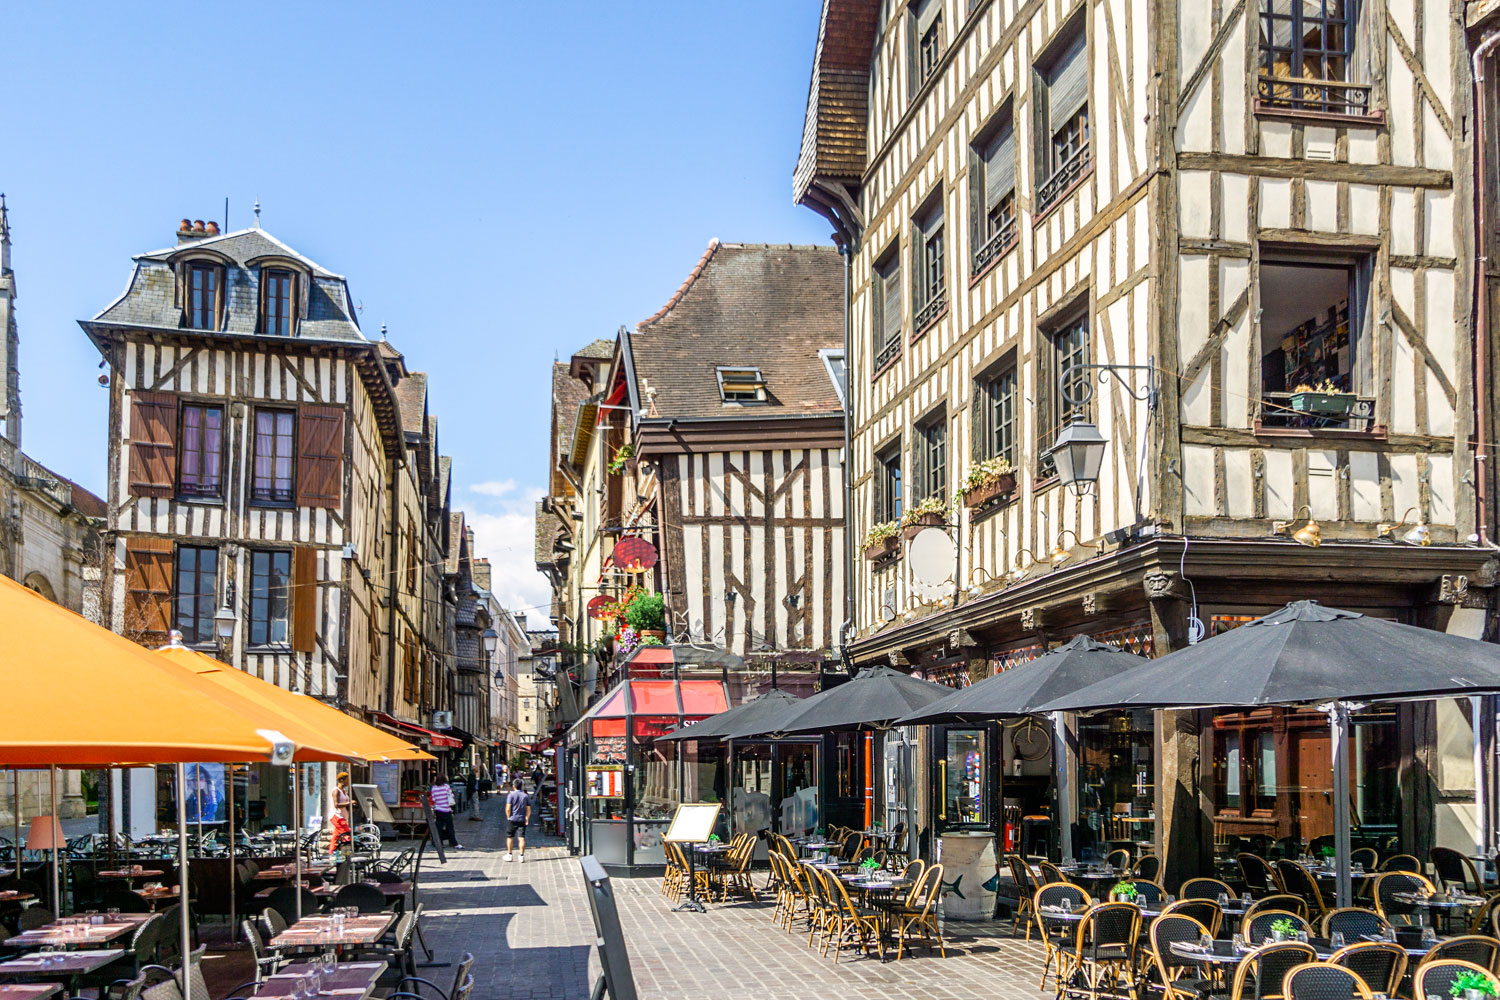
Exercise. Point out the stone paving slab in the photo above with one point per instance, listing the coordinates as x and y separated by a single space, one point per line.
530 930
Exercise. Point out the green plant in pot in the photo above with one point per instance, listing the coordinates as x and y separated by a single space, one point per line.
883 539
622 458
869 866
1284 929
932 511
1472 985
1125 892
647 614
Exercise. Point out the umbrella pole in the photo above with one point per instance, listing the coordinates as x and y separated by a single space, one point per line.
57 900
15 777
1064 799
234 882
184 927
1477 707
297 834
1338 717
869 779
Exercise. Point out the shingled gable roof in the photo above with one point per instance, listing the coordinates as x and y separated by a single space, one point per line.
831 162
411 396
772 307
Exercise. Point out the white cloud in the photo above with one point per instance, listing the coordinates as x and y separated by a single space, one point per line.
504 532
494 488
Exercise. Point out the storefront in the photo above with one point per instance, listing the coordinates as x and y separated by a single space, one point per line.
628 785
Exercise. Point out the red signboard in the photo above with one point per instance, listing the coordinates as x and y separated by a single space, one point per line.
634 555
597 605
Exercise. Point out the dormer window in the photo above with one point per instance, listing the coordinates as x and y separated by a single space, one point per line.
741 385
276 302
204 282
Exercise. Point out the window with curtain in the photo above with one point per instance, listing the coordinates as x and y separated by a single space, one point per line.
276 317
992 197
1307 55
927 40
929 296
194 587
203 296
200 456
1068 347
1064 113
887 313
275 435
270 583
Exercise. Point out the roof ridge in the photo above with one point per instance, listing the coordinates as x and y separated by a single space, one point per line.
713 246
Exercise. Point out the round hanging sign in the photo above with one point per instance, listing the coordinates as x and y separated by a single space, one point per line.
634 555
597 605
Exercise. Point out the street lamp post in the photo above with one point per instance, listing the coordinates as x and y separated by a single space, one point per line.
224 622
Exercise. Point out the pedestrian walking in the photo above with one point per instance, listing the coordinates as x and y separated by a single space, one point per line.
471 795
517 816
484 783
442 808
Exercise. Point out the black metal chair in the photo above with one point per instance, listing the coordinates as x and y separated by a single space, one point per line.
368 898
1381 964
1204 888
1259 976
1323 981
409 986
1355 923
283 900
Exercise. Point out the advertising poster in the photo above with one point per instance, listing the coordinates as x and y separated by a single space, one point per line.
205 797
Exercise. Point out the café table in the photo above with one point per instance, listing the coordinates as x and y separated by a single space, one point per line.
350 980
160 894
324 931
28 991
131 874
15 896
392 890
68 966
285 873
69 931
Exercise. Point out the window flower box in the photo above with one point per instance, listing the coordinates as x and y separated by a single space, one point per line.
985 494
1327 404
911 528
883 541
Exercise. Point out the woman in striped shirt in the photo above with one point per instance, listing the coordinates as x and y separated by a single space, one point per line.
442 808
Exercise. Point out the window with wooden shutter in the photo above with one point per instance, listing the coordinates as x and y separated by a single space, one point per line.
320 456
887 314
153 444
373 624
1064 133
148 590
304 598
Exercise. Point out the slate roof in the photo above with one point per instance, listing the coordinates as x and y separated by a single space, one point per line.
548 527
149 300
770 306
601 348
455 530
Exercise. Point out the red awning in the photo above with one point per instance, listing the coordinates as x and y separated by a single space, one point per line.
434 740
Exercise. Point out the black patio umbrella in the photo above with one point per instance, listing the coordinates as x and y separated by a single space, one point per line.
748 714
1024 687
1306 654
1303 654
875 697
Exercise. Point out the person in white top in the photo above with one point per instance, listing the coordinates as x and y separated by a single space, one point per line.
442 809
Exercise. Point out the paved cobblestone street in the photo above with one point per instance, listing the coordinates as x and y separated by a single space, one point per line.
530 928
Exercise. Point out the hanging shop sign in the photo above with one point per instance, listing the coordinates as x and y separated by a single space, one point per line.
597 605
634 555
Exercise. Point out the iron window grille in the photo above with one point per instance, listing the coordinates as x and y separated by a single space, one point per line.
993 195
888 311
929 291
1306 56
1063 112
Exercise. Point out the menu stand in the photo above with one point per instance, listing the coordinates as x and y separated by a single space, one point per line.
692 824
691 903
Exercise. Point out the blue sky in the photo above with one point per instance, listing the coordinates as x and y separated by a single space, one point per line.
500 183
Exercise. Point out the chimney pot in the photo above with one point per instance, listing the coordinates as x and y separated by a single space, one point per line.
197 225
187 224
212 228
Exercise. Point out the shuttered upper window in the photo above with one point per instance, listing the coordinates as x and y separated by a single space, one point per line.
153 443
201 459
320 450
147 614
887 312
1069 348
270 579
271 476
1063 98
927 40
888 484
930 458
992 194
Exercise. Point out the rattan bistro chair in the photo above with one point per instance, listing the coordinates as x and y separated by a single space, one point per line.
1354 922
1204 888
1299 882
1026 887
1392 884
1255 929
919 915
1260 878
1205 911
1324 981
1166 930
1381 964
850 924
1053 930
1436 978
1104 951
1260 974
1477 948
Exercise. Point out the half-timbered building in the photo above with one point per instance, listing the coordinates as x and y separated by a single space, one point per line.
265 459
1261 212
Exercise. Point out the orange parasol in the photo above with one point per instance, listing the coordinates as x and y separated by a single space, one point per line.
77 695
320 731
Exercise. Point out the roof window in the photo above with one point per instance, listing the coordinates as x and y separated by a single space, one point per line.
741 385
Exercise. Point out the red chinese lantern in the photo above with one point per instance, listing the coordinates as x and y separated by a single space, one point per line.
634 555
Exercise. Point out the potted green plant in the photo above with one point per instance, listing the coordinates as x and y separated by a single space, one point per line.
1324 399
1283 930
624 459
1473 985
883 540
988 481
931 512
647 614
869 866
1125 892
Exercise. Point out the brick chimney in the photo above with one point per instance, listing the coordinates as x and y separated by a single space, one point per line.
189 230
480 570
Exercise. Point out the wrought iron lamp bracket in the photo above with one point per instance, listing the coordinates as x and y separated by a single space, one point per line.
1070 379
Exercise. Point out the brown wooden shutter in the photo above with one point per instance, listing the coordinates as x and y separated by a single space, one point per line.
148 590
320 456
304 599
153 444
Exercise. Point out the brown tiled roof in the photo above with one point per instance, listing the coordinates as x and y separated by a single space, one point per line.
411 396
386 350
757 305
833 131
548 527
